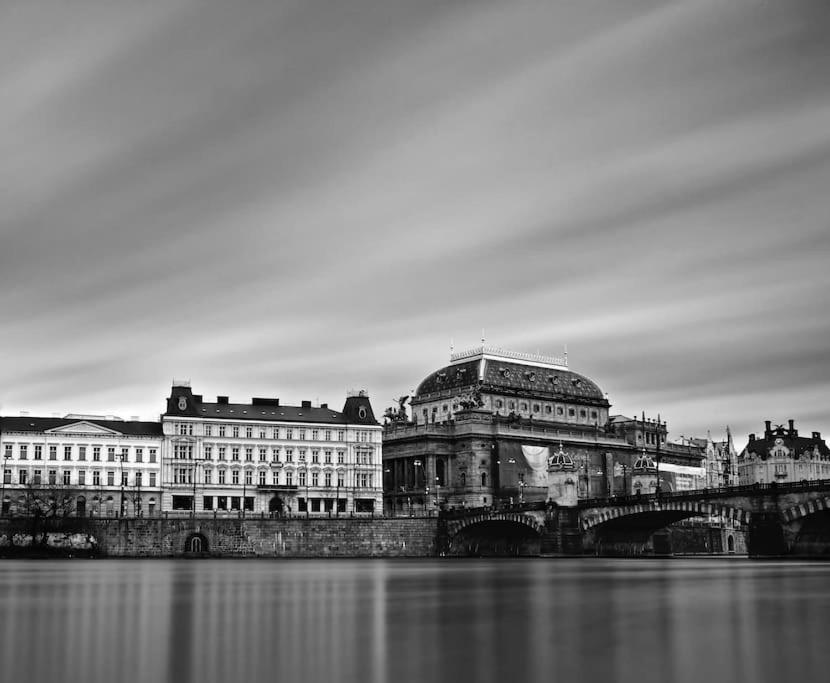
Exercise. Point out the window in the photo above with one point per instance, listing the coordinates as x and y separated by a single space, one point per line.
536 407
559 410
53 477
262 477
207 502
289 455
249 453
277 433
222 450
138 478
315 479
96 453
511 404
328 435
125 454
185 428
81 477
249 432
484 478
66 477
124 476
139 455
234 476
8 453
463 479
110 454
499 403
327 454
301 435
208 452
221 430
276 454
153 454
111 478
523 406
302 454
262 433
221 476
208 430
571 412
328 478
263 454
594 414
315 434
340 479
152 479
235 453
301 477
315 455
235 432
53 453
181 475
583 413
341 435
22 476
289 478
96 478
341 456
249 477
67 452
208 476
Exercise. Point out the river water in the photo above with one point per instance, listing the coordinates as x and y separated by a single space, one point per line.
514 620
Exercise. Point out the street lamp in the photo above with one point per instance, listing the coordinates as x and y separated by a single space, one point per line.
6 457
521 491
438 493
121 463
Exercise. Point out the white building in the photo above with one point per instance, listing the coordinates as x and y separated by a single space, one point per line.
265 458
783 456
80 465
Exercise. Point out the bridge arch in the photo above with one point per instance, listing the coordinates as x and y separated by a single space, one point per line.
803 510
455 526
686 508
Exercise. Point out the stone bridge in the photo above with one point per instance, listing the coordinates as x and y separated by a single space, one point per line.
516 530
780 519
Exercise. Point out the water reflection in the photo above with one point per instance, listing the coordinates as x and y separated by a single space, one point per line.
374 621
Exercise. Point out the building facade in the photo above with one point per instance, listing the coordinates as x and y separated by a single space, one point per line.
80 465
484 429
266 458
782 455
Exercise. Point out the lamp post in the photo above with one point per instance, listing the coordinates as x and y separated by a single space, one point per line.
307 503
121 463
437 493
521 491
244 490
6 457
512 462
416 464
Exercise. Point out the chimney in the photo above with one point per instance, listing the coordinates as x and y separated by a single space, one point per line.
24 413
817 436
324 405
306 404
768 429
792 428
751 438
222 400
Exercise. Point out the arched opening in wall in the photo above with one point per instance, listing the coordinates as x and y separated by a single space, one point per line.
439 471
7 505
730 543
110 506
151 507
463 480
496 538
275 506
80 506
196 544
483 479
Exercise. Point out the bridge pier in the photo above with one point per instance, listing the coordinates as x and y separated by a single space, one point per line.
766 535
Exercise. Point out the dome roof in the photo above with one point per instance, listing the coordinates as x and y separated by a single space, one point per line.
511 373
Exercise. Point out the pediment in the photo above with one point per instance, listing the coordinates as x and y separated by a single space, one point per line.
82 427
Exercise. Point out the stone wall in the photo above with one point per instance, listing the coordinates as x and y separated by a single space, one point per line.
298 537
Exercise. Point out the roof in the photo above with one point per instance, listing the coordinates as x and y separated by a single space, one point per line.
796 445
43 424
184 403
495 373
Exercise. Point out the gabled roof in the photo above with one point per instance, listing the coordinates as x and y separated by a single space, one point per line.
62 425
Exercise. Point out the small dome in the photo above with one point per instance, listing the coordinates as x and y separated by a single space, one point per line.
644 462
561 460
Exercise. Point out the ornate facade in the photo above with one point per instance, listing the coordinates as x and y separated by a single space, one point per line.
484 429
782 455
266 458
80 465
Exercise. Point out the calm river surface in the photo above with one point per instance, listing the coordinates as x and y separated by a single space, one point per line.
106 621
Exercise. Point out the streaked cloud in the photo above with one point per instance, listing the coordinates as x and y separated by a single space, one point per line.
297 198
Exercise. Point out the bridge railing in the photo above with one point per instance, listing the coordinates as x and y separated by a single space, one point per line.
698 494
460 513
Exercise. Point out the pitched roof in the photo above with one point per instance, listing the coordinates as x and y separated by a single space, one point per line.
43 424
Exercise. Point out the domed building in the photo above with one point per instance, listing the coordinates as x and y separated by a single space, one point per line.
481 429
782 455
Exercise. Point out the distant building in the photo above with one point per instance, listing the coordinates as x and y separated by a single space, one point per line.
720 459
488 427
80 465
263 457
782 455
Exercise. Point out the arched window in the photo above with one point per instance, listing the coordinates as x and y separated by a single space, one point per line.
484 478
439 472
463 479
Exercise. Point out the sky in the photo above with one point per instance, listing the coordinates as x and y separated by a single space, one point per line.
296 199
